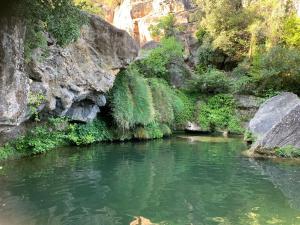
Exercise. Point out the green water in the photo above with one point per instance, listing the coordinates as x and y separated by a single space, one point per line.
178 181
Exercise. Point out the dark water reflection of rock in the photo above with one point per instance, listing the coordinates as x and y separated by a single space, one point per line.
285 175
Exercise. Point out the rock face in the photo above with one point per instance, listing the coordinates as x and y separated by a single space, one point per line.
72 80
277 123
14 85
136 16
247 106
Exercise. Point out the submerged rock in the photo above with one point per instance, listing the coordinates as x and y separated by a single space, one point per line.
141 221
277 123
73 80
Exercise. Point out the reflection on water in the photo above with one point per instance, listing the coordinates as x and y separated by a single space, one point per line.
284 176
174 182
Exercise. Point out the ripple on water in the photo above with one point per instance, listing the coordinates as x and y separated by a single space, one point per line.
182 180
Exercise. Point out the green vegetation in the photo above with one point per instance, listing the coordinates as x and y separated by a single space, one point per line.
218 114
157 60
60 18
212 82
244 48
288 152
166 27
132 100
35 100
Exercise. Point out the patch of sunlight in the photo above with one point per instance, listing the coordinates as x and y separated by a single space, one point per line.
207 139
274 221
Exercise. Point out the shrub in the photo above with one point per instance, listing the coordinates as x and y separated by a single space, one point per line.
38 140
243 82
89 6
184 108
62 19
35 38
212 82
155 64
278 69
132 100
84 134
288 151
219 114
165 27
35 100
6 152
64 22
291 28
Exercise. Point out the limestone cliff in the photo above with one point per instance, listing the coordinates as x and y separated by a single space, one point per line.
136 16
72 80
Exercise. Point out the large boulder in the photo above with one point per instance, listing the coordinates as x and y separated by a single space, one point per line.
73 80
14 84
277 123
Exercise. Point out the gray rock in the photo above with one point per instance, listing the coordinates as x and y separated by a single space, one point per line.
285 132
248 101
14 84
277 123
247 106
271 112
80 72
86 68
83 112
193 127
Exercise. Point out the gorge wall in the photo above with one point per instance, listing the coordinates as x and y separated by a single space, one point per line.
136 17
72 80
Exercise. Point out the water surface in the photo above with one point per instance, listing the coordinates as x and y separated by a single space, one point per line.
179 181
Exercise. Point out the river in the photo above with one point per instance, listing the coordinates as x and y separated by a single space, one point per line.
183 180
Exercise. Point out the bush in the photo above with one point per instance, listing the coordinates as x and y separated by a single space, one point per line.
38 140
131 100
184 111
156 62
165 27
212 82
89 6
84 134
291 28
288 151
278 69
62 19
219 114
243 82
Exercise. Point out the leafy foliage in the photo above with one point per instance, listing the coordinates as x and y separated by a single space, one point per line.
35 100
184 106
84 134
61 18
155 64
288 152
166 27
212 82
219 114
89 6
291 31
277 69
